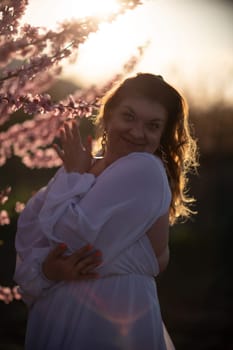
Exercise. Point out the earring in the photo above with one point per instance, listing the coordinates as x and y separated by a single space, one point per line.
104 142
163 155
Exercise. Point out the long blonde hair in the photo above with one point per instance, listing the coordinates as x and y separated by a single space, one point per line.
178 148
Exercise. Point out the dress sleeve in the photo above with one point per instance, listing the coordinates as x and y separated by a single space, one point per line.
122 205
32 246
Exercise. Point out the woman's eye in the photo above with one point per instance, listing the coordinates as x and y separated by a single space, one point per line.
128 116
153 126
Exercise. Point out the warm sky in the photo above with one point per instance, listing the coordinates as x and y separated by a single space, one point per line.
191 42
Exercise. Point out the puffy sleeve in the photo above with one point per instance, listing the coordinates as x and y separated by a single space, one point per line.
32 246
122 205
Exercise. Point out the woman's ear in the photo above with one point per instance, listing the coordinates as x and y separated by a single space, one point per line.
105 125
106 119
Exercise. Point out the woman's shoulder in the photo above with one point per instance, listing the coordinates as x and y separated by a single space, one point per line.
136 163
144 156
143 160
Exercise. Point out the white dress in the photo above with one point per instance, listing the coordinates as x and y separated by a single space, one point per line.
120 310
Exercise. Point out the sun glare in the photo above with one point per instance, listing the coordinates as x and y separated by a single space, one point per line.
84 8
49 13
182 38
105 52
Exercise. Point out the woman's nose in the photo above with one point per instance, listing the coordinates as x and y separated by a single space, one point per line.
137 132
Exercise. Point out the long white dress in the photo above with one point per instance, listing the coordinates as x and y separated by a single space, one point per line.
120 310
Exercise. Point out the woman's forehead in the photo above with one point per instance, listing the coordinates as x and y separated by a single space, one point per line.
143 106
135 102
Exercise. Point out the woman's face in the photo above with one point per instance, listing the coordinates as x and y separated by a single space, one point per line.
135 125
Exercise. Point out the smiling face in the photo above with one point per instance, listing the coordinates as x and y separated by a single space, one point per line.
135 125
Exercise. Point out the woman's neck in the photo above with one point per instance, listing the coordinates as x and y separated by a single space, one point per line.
98 166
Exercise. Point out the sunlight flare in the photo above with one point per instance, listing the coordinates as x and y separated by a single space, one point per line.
106 51
83 8
50 13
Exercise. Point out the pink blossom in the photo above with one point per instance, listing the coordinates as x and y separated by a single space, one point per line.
4 195
4 218
7 294
19 207
10 15
16 293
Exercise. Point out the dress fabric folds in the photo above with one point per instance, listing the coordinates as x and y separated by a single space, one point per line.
119 310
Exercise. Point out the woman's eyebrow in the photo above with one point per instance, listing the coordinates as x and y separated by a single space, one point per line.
129 108
157 119
154 118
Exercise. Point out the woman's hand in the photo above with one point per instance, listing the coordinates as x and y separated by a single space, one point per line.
75 157
77 266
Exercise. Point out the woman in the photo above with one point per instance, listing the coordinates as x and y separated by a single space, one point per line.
121 204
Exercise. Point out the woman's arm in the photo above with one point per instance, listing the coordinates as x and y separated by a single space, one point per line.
163 259
32 246
124 202
36 276
78 266
159 238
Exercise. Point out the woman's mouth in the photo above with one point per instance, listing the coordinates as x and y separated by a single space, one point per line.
134 142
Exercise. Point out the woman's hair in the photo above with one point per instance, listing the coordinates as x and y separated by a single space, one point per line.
178 149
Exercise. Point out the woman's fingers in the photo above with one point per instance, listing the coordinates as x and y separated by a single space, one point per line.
85 264
74 156
88 267
51 266
87 270
58 250
86 254
70 134
68 131
88 145
76 134
80 253
89 276
63 137
59 151
77 266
